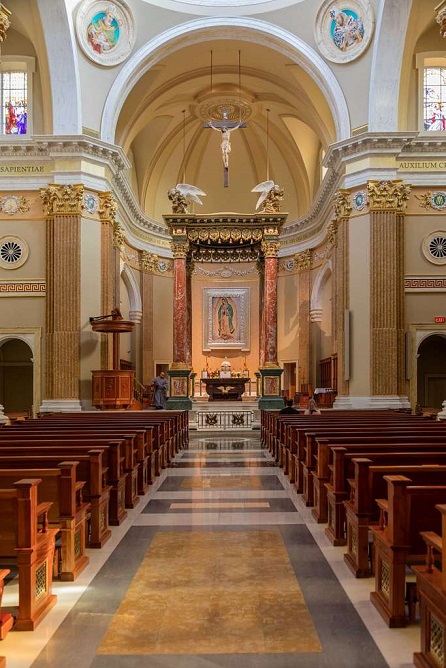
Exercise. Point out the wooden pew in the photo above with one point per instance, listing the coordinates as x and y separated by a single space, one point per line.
342 470
67 448
431 594
22 542
68 512
90 468
128 447
6 619
361 511
404 513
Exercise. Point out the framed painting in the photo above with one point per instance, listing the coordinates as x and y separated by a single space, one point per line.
226 318
271 386
105 31
344 29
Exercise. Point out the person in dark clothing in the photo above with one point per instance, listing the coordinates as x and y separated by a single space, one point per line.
289 407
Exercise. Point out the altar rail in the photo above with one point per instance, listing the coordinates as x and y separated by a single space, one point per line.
224 420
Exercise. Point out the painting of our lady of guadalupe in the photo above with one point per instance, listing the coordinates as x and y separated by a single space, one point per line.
226 318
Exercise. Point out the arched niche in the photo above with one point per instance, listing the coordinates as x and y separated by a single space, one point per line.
421 341
31 337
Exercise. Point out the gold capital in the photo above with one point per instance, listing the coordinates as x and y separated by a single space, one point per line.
388 195
332 233
149 262
303 260
107 206
118 236
4 22
441 18
270 248
179 249
342 206
60 199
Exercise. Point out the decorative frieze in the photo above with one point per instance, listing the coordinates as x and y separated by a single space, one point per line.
388 195
12 204
26 288
433 200
62 199
425 284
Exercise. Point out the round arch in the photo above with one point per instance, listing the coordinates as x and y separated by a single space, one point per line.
134 293
31 336
322 277
209 29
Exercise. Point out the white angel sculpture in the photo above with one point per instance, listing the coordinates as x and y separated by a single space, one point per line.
182 195
270 198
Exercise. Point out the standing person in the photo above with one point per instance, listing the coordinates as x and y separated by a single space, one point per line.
289 407
312 406
161 385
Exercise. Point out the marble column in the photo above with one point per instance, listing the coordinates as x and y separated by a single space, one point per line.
189 274
387 203
180 371
62 207
270 249
270 370
261 270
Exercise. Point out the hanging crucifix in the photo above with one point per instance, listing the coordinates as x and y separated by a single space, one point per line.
225 127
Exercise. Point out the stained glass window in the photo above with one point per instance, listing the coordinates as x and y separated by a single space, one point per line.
14 100
435 98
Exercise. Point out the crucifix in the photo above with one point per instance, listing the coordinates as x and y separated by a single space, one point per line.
225 127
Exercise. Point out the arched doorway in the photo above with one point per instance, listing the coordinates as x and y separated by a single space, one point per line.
431 371
16 376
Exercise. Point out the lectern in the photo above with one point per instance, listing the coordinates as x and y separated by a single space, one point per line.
112 388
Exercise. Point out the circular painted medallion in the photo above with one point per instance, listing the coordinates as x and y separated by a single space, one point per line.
91 203
343 29
105 30
438 200
359 200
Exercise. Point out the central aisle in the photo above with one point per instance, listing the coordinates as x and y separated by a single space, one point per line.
217 568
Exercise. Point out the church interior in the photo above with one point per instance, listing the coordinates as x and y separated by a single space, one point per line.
208 208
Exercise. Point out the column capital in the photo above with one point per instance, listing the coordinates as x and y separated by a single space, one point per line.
179 249
148 262
388 195
107 206
62 199
4 22
342 204
302 260
441 18
270 248
118 236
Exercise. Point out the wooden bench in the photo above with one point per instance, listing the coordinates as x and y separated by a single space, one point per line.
90 469
69 448
31 547
68 512
6 619
431 595
397 542
342 470
361 511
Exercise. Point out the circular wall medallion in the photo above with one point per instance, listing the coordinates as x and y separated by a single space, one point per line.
438 200
343 29
105 30
434 247
359 200
13 252
91 203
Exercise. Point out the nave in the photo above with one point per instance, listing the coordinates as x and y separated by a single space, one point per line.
220 564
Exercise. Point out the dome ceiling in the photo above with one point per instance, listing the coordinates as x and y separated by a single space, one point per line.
288 128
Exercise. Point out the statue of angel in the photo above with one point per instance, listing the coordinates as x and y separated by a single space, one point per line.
270 198
182 195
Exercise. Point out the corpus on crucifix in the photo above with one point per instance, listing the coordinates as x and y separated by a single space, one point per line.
225 127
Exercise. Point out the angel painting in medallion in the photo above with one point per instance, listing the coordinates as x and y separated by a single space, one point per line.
347 28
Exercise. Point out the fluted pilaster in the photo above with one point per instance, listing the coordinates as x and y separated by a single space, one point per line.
107 212
62 207
342 208
387 204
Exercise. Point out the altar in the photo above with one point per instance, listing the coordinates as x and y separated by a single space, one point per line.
225 389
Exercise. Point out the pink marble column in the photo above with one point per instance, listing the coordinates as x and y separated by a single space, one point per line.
262 319
270 249
180 319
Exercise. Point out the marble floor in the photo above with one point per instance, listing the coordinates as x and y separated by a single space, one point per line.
220 565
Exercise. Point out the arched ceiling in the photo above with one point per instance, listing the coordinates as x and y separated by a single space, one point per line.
289 126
